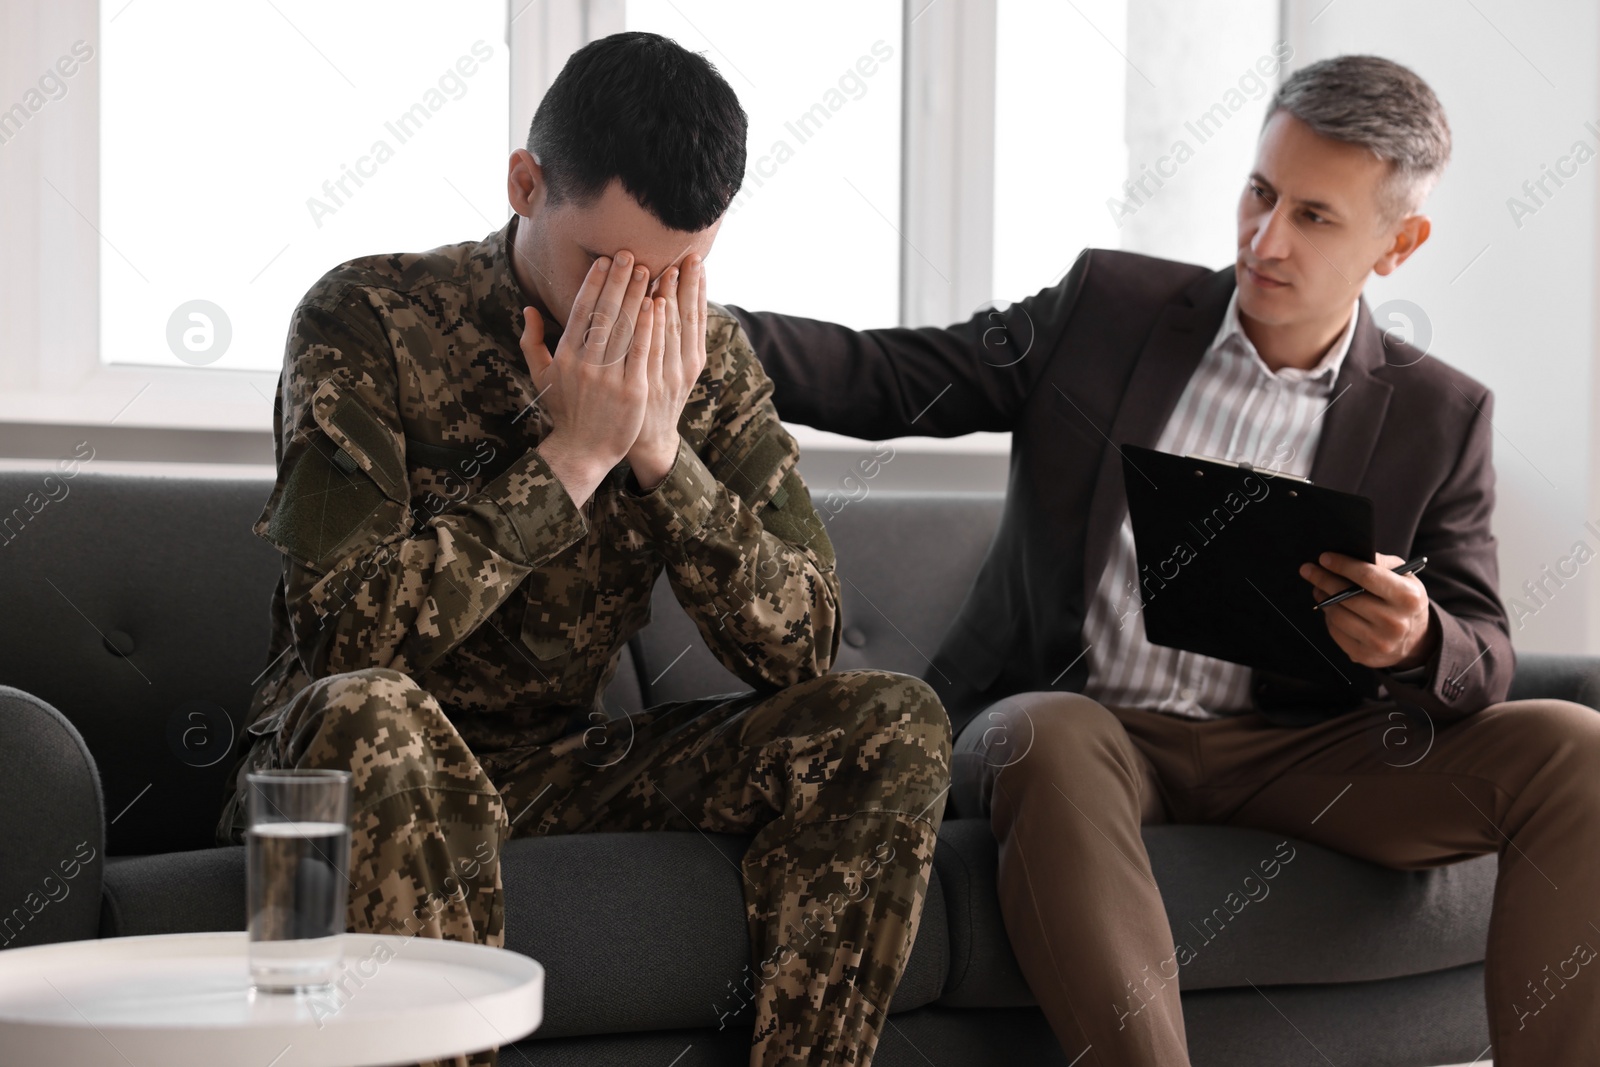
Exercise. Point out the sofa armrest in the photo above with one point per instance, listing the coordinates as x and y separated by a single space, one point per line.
1557 677
52 838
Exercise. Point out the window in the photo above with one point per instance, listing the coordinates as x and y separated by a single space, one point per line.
1059 136
233 177
814 230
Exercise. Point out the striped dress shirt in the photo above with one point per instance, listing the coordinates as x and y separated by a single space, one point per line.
1234 407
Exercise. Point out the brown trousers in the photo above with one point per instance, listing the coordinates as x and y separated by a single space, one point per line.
1067 782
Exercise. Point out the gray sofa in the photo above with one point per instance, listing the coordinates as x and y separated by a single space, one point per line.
135 615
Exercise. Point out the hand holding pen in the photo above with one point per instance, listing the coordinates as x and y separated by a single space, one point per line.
1393 627
1410 566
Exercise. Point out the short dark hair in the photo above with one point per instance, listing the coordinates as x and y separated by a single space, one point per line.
643 109
1383 107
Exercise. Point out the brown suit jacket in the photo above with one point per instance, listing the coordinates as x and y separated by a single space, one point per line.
1102 357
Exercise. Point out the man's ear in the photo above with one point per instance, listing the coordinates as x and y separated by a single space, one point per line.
525 186
1412 233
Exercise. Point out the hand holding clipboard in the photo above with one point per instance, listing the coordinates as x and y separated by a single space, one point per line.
1221 550
1219 547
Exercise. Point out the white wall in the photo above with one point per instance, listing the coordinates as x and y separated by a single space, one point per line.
1186 59
1511 305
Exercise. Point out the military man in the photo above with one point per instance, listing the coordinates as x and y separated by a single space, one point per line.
471 528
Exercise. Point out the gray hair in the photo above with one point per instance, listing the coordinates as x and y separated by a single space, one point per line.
1382 106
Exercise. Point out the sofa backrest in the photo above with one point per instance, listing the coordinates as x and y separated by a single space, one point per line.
138 607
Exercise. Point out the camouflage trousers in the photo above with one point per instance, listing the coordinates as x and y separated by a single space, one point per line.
840 779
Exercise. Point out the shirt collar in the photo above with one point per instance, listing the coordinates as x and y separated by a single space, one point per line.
497 296
1327 369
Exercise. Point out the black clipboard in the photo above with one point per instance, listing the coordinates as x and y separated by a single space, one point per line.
1219 547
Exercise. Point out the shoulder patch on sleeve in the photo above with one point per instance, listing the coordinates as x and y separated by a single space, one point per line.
748 449
325 504
357 431
756 471
789 515
343 484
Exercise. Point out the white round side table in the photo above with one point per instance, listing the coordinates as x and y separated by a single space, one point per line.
184 1000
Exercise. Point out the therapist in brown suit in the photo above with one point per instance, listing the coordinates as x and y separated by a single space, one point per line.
1073 729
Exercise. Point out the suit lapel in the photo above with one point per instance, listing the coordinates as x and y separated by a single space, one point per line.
1182 335
1354 415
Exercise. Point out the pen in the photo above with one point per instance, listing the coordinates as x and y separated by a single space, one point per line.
1410 566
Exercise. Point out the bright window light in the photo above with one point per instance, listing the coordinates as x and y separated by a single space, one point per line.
246 149
814 229
1060 150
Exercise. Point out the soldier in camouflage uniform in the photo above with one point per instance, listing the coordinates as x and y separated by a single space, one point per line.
451 611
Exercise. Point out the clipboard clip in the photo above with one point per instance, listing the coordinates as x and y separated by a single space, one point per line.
1269 472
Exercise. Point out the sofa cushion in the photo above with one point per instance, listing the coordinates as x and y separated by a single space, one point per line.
174 893
1323 916
642 931
983 972
1399 1022
636 931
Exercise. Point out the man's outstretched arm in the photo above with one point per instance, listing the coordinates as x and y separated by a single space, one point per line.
901 382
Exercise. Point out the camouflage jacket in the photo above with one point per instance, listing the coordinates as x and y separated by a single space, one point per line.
422 531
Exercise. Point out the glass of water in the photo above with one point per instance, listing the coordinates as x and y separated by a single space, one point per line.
297 864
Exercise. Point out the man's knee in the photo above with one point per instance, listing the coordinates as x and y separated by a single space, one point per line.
1554 729
365 691
898 753
1032 743
887 702
1049 736
360 706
